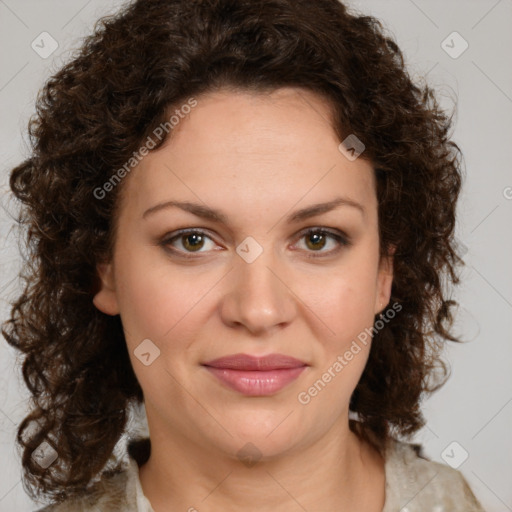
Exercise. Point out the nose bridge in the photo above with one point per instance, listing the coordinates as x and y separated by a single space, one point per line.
258 297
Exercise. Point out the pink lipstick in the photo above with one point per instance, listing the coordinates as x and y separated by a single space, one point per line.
256 376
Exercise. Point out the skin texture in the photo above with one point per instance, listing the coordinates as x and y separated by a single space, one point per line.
258 158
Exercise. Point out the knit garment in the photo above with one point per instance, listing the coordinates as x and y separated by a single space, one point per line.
413 484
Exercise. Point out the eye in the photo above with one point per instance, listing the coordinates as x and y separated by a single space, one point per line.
191 241
316 239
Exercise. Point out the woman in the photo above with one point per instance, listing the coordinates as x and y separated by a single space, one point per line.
240 215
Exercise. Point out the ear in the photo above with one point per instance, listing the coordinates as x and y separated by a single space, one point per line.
384 281
106 298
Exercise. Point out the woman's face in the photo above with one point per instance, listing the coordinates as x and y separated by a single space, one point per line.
251 282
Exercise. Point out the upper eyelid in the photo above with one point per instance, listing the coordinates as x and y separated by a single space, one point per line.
183 231
303 232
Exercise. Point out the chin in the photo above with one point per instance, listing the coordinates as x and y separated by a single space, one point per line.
269 440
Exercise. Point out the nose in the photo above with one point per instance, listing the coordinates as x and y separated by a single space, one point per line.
258 296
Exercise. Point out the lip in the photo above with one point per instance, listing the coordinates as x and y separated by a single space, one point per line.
245 362
256 376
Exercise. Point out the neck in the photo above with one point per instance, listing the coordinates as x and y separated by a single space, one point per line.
337 472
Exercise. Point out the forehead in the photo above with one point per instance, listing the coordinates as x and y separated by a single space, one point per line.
249 125
254 149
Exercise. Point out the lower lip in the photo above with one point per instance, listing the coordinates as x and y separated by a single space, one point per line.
256 383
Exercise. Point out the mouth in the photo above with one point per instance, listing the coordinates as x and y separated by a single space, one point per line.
256 376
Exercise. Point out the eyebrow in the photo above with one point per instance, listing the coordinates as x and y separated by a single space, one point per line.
208 213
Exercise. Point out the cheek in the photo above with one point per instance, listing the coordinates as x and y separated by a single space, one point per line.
345 306
155 300
344 303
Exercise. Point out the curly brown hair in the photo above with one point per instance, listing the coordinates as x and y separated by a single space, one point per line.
93 114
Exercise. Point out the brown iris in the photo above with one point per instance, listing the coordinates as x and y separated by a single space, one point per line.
318 238
197 241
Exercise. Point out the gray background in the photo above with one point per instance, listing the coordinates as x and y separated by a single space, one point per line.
474 408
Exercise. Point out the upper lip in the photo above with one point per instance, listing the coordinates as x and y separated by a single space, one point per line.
245 362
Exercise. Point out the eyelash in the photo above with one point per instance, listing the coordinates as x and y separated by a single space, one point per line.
340 238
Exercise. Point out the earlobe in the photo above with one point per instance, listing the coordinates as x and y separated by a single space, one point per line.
105 298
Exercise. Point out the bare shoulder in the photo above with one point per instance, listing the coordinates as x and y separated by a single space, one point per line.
416 484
